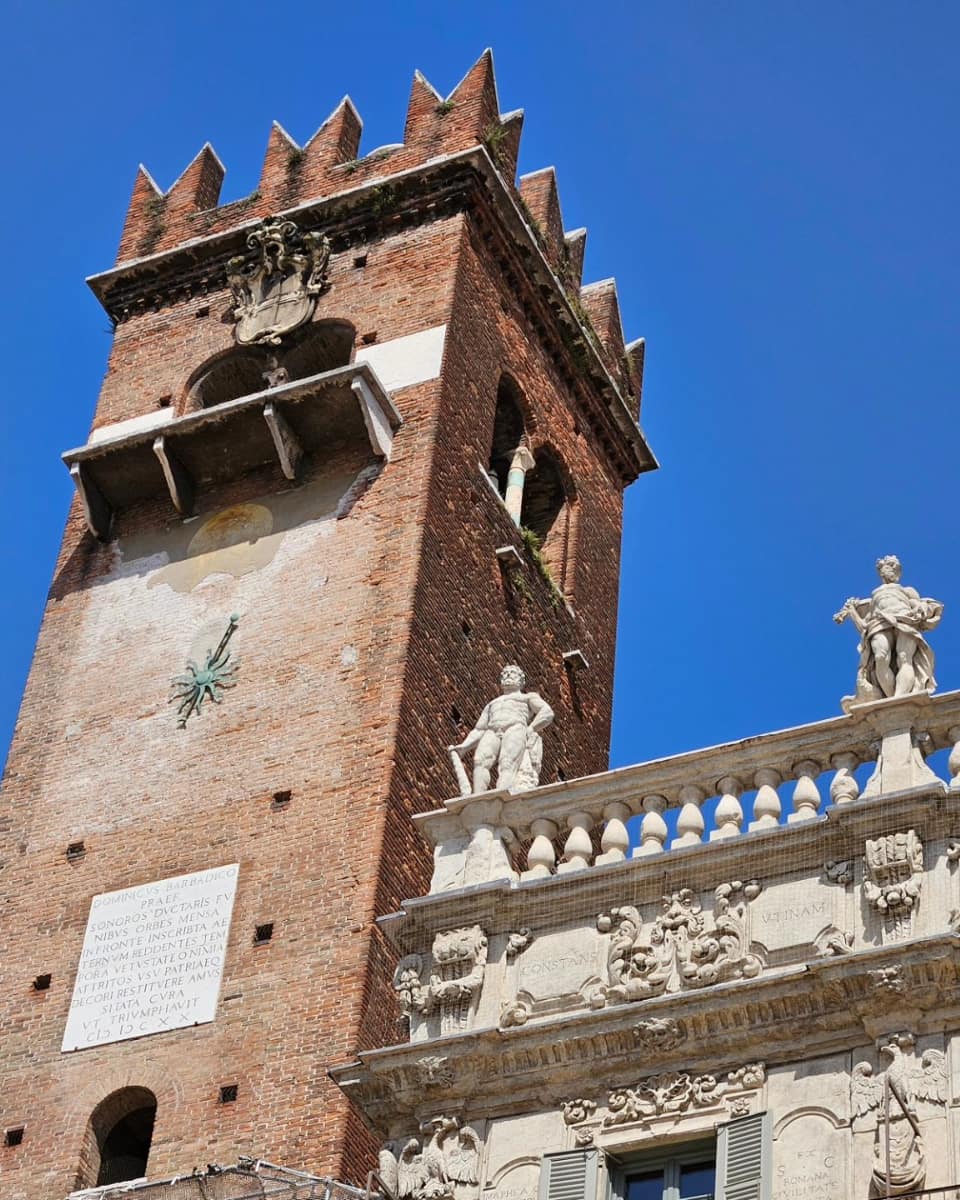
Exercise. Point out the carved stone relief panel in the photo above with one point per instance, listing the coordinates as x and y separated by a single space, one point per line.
681 948
893 875
896 1093
452 989
668 1095
443 1163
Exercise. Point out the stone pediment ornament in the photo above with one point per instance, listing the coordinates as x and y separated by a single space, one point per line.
276 283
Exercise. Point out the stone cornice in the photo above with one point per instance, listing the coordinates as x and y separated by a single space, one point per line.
438 188
822 1007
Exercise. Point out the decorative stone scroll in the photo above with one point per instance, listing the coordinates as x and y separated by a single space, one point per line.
446 1166
896 1095
679 952
459 960
894 874
276 283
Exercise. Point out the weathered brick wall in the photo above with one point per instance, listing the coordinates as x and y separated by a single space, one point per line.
358 638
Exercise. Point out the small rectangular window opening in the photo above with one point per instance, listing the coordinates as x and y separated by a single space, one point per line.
41 983
228 1092
280 799
202 312
369 338
360 261
263 933
76 850
14 1136
164 401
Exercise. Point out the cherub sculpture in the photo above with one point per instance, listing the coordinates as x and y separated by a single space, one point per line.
894 658
507 735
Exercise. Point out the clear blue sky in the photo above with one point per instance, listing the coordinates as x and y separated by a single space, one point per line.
775 188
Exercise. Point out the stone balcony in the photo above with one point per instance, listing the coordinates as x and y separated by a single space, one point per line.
476 838
183 457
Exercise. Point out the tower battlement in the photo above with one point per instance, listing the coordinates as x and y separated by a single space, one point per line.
328 167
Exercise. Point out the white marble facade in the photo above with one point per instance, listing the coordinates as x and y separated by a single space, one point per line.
796 986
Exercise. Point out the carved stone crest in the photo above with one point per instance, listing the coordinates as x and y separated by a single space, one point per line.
894 873
459 959
276 283
679 951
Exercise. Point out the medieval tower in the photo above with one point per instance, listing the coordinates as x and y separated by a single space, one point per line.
362 441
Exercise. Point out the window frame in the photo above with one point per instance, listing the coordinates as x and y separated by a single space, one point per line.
668 1158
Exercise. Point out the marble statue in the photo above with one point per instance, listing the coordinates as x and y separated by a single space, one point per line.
507 736
894 658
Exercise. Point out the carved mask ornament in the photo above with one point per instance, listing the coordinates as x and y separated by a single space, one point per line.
276 284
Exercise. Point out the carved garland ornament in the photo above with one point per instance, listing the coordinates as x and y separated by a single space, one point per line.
276 284
679 951
669 1093
430 1170
459 959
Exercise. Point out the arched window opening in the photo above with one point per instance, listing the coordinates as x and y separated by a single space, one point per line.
249 369
548 513
119 1133
508 433
238 373
317 348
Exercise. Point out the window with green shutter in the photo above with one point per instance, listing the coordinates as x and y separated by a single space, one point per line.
743 1159
570 1175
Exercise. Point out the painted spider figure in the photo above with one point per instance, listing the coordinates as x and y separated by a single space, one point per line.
207 682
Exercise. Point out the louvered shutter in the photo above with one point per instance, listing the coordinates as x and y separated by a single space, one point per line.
571 1175
743 1159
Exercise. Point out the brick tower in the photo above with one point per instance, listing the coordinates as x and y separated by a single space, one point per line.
339 417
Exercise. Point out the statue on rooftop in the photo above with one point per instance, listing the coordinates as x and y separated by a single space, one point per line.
507 735
895 660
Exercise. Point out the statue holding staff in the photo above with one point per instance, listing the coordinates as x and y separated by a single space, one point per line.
507 735
895 660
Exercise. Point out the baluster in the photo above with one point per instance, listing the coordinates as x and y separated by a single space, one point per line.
806 797
615 839
729 815
578 848
653 828
843 786
953 762
766 806
690 820
541 855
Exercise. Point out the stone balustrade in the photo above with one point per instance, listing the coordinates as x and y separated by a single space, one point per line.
476 838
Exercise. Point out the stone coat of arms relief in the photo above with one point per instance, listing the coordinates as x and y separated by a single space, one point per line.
276 284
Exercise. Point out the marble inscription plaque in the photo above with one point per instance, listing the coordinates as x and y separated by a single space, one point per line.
810 1161
561 963
152 958
793 914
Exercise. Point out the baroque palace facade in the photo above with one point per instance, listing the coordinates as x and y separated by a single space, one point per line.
357 467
